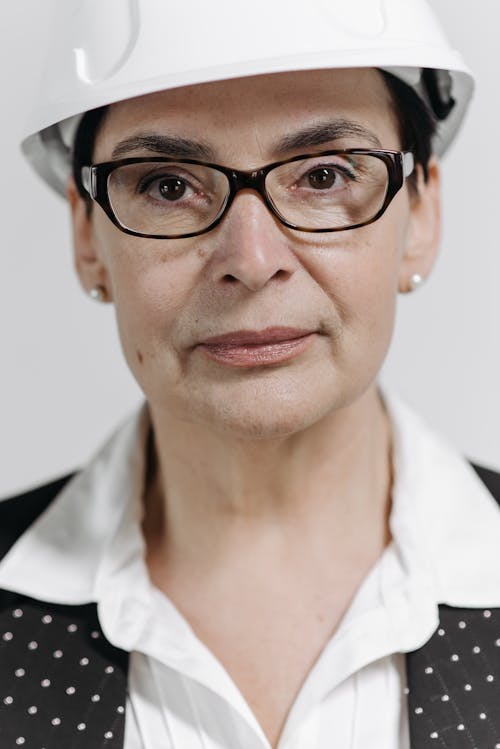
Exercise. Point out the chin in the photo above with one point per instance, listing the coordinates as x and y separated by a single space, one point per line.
261 426
265 410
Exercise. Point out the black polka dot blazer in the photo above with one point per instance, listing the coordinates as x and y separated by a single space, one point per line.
63 686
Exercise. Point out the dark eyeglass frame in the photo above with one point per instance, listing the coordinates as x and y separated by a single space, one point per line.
399 164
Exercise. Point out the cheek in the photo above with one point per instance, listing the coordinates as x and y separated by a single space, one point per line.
151 289
359 272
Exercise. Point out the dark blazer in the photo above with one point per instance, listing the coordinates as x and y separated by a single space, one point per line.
63 686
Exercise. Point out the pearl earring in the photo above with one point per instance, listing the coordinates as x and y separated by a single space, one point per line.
415 281
98 293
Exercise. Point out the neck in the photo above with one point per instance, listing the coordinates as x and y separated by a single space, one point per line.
211 498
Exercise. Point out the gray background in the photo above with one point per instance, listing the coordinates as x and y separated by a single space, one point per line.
64 384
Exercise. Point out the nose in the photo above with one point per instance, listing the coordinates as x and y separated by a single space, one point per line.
251 247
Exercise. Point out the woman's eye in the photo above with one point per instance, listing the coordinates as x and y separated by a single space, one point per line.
323 178
326 177
166 188
172 188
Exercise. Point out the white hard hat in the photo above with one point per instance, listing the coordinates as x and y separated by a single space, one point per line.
103 52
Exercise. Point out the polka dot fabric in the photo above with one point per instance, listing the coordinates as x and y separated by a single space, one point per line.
454 683
62 684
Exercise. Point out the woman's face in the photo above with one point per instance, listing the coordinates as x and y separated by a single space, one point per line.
251 273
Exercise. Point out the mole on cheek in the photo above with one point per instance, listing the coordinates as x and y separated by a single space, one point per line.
140 357
201 253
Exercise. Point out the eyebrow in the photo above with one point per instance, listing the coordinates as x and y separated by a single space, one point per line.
185 148
324 132
169 145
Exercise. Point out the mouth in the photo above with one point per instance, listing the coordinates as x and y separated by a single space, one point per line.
257 348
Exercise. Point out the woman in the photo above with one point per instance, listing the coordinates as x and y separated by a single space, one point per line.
250 558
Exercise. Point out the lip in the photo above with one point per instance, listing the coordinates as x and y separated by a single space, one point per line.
257 348
256 337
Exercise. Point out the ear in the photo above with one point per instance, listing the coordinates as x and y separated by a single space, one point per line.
424 232
89 265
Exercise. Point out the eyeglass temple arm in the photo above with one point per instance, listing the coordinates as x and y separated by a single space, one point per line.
408 164
87 181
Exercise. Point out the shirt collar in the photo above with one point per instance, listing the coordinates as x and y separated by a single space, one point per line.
59 557
455 519
444 522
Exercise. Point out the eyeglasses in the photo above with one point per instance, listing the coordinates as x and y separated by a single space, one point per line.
165 198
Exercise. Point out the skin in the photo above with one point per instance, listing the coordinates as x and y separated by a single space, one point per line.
269 489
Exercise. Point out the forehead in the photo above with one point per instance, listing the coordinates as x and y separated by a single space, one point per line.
257 112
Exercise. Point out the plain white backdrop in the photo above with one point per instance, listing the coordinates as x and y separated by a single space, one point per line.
64 384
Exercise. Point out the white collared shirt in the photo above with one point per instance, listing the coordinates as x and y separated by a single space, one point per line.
88 547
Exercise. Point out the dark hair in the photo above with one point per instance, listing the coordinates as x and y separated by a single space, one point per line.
83 148
417 125
417 122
